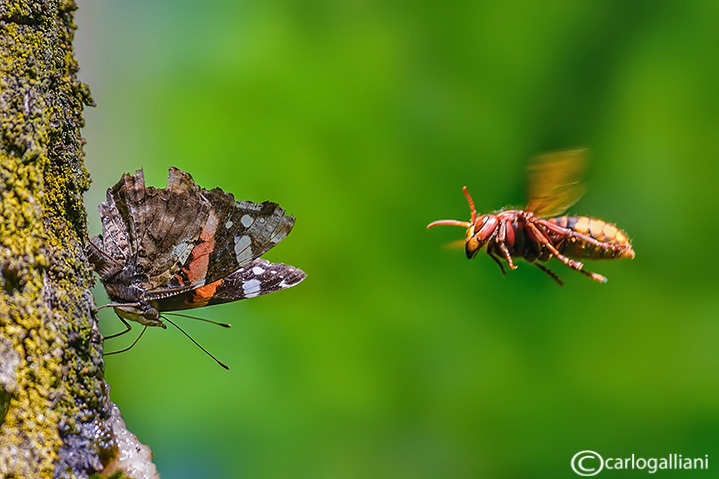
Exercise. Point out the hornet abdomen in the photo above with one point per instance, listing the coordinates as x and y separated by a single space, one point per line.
613 243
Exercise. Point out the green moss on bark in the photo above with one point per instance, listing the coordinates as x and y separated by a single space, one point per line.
54 403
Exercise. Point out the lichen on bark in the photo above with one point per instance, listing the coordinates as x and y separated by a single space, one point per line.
55 411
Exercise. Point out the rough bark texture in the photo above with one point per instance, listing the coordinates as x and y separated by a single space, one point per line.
56 418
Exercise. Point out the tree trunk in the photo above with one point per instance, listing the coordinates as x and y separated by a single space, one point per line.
56 417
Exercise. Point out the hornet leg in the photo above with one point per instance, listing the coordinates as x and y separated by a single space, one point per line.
574 234
539 237
550 273
501 242
496 260
507 255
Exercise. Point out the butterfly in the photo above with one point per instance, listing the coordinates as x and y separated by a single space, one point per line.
185 247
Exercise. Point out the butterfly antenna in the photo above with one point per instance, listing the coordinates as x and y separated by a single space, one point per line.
224 325
130 346
196 343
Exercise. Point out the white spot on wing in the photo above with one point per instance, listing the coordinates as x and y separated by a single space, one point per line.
251 288
246 220
257 270
229 224
182 252
243 252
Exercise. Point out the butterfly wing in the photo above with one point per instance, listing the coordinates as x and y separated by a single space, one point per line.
244 231
182 237
150 230
255 279
555 181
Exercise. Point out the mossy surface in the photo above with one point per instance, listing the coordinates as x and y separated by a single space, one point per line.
53 398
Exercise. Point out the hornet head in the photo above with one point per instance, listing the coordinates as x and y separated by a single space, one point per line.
479 229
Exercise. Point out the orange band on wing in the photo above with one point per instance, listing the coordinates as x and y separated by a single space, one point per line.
202 296
196 269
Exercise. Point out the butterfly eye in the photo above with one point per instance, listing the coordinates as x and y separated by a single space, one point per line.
148 311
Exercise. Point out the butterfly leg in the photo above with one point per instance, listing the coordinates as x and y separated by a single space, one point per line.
130 346
537 235
127 329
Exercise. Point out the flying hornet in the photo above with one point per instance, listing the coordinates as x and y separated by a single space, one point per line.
537 233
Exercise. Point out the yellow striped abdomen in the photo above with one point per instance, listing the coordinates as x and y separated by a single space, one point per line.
593 238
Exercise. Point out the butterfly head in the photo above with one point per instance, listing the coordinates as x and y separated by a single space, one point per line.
141 312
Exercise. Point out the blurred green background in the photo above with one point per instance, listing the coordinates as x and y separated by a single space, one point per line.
398 357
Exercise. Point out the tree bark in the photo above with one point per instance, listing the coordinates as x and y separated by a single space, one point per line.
56 417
